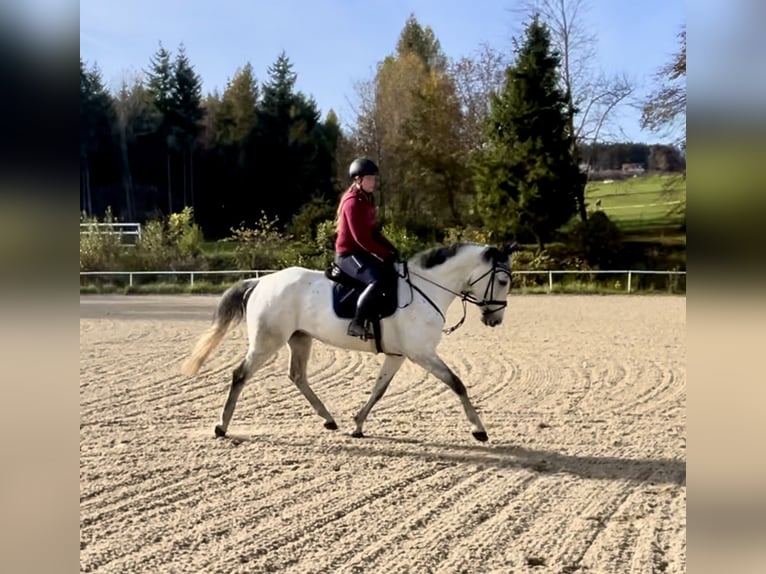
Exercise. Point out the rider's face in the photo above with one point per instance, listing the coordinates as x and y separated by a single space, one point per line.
367 183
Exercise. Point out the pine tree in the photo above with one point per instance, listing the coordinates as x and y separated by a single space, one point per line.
186 98
186 114
97 121
136 117
160 86
527 176
278 92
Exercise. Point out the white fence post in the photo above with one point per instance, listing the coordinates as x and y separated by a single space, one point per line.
130 279
191 279
550 281
630 277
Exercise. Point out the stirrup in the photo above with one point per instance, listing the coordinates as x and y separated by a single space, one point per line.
356 330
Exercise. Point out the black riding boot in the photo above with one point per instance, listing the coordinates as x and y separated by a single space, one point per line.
364 308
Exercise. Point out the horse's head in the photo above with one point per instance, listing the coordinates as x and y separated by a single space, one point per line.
490 282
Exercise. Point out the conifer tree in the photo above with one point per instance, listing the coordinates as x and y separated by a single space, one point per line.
526 177
160 86
96 125
291 148
186 115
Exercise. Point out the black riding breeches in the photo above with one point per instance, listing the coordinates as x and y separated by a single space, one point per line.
367 269
362 266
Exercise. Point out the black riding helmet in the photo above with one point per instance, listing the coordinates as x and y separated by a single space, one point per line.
361 167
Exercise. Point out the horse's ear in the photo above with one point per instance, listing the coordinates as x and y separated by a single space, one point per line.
510 248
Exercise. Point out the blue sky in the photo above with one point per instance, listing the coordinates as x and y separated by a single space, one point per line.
335 43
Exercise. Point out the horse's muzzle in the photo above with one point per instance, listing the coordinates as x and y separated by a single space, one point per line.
491 319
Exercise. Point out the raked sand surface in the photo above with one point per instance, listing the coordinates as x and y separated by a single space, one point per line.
583 397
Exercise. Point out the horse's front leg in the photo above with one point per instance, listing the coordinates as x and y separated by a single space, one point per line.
390 366
441 371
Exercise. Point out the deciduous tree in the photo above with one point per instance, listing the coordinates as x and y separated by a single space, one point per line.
665 109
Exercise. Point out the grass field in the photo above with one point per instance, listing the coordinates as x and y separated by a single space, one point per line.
641 203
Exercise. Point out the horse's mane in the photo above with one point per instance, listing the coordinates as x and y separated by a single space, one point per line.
434 256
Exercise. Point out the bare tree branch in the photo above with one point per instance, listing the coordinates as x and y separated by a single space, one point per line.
665 109
593 97
476 79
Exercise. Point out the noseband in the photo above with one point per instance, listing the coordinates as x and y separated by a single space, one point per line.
489 292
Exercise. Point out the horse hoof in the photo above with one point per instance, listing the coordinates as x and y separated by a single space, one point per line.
357 434
331 425
219 432
480 436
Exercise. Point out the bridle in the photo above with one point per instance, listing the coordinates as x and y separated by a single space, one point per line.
465 296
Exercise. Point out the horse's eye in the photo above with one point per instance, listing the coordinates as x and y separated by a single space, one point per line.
503 282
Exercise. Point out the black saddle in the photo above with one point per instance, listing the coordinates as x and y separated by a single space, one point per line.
346 291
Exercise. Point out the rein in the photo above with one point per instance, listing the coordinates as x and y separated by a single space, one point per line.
464 296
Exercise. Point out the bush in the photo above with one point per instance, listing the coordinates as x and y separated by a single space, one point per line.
407 243
325 241
171 244
598 241
304 224
184 234
259 247
100 250
472 234
533 260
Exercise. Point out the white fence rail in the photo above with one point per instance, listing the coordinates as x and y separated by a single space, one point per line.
132 230
192 274
629 273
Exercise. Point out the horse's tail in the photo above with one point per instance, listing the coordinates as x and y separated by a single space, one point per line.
230 311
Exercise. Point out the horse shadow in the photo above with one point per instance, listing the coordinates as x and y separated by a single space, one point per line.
502 456
645 470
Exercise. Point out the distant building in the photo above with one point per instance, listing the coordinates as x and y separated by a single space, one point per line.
633 168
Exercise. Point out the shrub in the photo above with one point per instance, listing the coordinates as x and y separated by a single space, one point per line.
407 243
598 241
184 234
325 241
171 244
304 224
259 247
100 249
473 234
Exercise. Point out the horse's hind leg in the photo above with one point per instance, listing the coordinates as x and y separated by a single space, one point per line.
257 355
300 351
441 371
387 371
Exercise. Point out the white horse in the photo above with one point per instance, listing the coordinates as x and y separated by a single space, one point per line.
294 306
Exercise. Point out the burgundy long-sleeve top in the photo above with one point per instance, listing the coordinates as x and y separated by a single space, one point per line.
357 226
